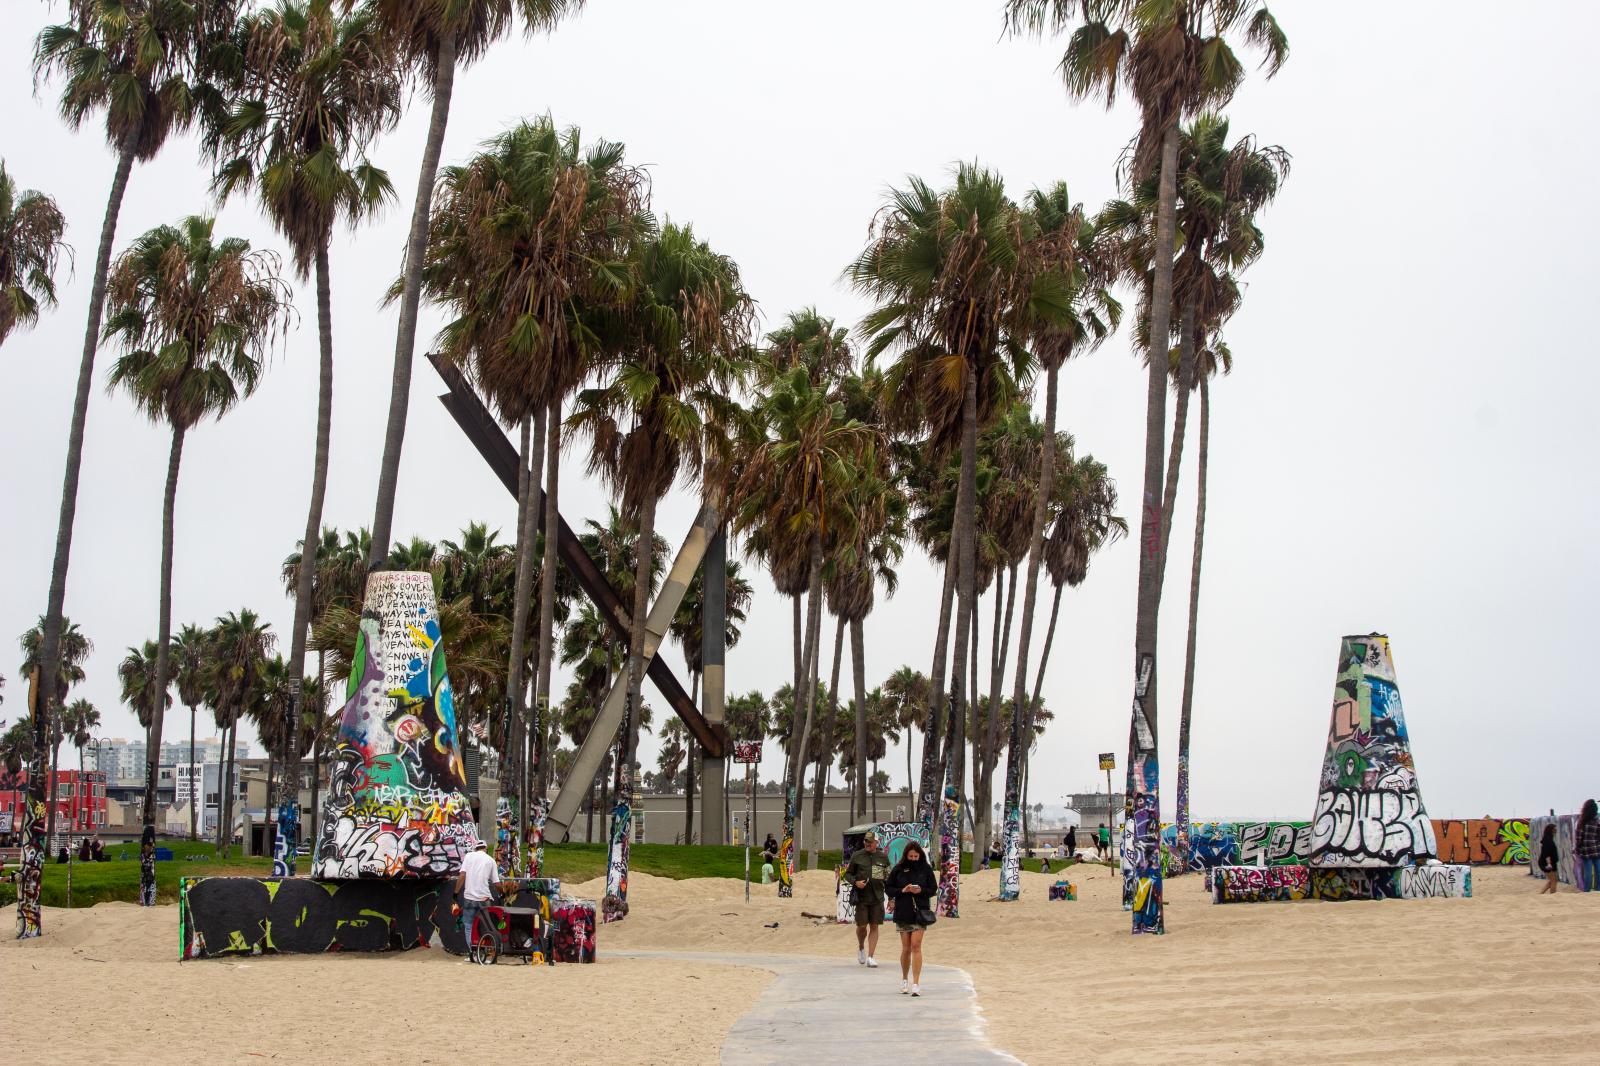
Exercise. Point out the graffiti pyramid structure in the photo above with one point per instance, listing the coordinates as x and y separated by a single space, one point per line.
1369 809
397 804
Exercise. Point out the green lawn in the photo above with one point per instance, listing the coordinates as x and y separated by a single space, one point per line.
119 879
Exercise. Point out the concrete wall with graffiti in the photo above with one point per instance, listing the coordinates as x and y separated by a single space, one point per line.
1461 841
397 803
1259 884
220 916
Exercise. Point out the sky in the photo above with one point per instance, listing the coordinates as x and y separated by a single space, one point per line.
1406 444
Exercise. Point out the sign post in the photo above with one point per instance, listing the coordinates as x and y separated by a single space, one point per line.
1108 763
748 752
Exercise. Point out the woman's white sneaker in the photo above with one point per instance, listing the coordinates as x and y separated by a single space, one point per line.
905 987
872 963
916 990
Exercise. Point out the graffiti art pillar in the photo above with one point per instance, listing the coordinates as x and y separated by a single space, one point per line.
614 907
30 881
397 803
1141 860
286 840
950 855
1369 809
147 867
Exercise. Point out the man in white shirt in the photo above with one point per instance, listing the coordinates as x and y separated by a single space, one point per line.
474 886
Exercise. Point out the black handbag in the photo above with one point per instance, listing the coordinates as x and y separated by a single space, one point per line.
926 915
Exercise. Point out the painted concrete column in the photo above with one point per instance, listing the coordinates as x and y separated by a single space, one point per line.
713 638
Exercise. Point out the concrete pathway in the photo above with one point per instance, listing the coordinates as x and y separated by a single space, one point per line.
828 1010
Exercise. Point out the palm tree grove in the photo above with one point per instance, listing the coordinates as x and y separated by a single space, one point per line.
554 450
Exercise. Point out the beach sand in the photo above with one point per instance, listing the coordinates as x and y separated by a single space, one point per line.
1507 976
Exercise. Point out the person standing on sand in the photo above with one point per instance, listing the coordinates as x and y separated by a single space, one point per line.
1071 843
1549 859
867 870
1586 845
473 886
1102 841
914 890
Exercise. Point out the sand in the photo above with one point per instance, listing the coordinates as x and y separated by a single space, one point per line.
1507 976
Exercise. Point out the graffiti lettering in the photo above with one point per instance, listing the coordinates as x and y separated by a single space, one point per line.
1259 884
1434 879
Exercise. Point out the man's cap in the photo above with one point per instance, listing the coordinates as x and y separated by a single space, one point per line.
480 846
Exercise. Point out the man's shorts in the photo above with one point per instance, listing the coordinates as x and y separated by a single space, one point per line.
869 913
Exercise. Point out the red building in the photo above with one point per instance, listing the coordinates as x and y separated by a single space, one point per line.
79 796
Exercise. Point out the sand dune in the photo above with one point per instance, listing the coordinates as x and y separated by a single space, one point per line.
1505 977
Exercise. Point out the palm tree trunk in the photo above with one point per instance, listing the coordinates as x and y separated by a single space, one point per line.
644 552
306 575
50 640
799 657
858 670
1194 609
999 647
910 781
966 593
1044 653
1143 875
928 789
547 597
801 728
516 725
825 753
197 789
410 297
316 753
158 703
1016 750
1180 419
688 792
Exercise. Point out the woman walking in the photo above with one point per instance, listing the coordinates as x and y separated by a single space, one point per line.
1586 847
914 890
1549 859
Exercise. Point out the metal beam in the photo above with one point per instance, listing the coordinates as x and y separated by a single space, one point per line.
497 450
592 753
713 638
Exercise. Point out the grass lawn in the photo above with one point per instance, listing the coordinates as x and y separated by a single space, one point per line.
119 879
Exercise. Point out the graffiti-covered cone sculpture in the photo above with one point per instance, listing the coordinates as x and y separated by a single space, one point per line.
397 803
1369 809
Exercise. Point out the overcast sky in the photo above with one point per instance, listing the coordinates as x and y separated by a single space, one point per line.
1407 444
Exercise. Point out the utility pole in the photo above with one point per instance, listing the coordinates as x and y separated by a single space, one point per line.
1108 763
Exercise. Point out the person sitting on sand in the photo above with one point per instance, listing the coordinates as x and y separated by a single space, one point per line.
1549 859
1586 845
97 850
915 893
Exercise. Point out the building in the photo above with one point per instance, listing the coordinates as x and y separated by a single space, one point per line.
79 797
124 760
1093 811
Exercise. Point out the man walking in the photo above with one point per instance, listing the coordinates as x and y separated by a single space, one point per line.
867 872
473 887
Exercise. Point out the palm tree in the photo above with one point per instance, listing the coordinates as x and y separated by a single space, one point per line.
1095 314
1211 360
529 245
137 675
798 472
30 247
81 719
688 629
433 39
189 666
313 89
138 62
195 317
671 368
74 649
1176 59
907 695
961 279
240 645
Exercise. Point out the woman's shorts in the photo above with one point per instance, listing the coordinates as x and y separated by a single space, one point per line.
908 927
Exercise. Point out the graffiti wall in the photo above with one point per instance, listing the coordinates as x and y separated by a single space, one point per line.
397 804
1482 841
1568 870
950 856
1336 884
1142 843
253 916
220 916
1369 807
1259 884
1433 880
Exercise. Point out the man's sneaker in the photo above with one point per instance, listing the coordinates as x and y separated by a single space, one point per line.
872 963
861 956
916 990
905 987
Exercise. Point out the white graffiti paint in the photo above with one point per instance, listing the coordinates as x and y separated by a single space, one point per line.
1357 827
1434 880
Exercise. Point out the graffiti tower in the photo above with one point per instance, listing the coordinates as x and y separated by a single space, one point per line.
1369 809
397 803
